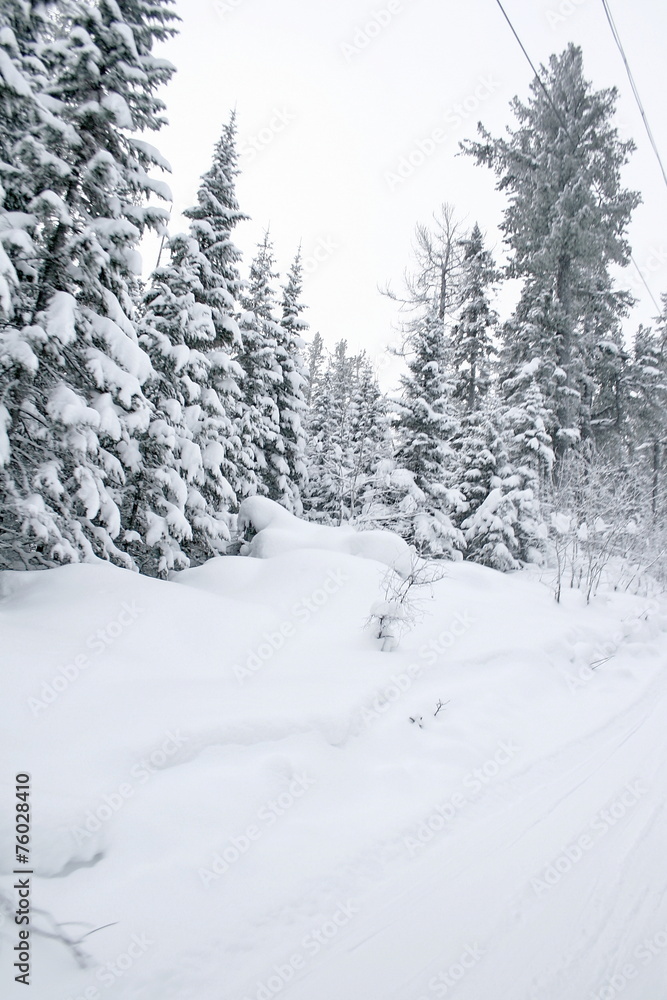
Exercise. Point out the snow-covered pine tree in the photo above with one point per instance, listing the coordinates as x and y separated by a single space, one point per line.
472 333
329 454
525 421
315 355
648 408
32 532
259 422
426 423
75 421
372 442
565 223
610 378
189 486
349 439
291 390
180 498
212 223
484 478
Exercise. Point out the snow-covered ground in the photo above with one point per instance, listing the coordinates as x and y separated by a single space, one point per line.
228 788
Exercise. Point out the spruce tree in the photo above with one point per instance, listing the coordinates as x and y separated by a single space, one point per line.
77 409
648 408
472 333
292 388
329 452
426 424
484 477
565 224
187 491
259 422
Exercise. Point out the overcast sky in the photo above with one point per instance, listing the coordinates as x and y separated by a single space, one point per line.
333 97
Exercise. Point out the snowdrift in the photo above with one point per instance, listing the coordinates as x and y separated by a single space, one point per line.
276 531
237 796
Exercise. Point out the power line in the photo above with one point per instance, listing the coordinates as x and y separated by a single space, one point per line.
537 75
631 78
564 124
645 283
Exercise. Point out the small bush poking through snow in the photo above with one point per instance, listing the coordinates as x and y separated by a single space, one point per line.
400 609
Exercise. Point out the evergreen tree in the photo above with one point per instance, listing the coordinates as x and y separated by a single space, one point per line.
472 343
314 359
187 489
610 379
73 371
426 424
527 418
329 453
371 437
183 491
648 408
565 223
291 390
484 480
349 441
262 341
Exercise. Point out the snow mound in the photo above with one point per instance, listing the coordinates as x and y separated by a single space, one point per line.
277 532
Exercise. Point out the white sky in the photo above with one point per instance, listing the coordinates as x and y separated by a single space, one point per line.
346 114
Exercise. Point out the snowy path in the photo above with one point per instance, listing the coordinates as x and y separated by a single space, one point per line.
564 940
291 833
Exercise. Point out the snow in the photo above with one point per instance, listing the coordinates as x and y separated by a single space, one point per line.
229 790
12 77
134 361
278 531
117 105
60 318
69 408
5 423
152 152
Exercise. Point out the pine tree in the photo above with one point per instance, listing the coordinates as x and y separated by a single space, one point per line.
187 490
565 224
371 438
259 424
527 418
610 378
183 493
76 415
426 424
484 479
471 338
648 407
314 361
291 389
329 453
